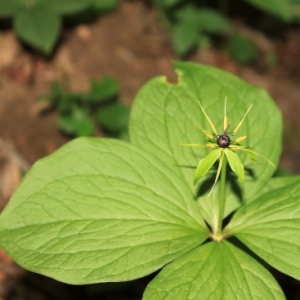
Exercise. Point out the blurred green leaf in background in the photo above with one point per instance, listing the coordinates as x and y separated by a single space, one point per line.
80 113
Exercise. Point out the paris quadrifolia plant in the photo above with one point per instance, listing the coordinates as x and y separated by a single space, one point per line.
224 150
105 210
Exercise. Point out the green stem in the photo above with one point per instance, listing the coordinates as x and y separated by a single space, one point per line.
222 198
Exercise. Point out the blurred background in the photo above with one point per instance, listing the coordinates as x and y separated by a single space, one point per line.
72 68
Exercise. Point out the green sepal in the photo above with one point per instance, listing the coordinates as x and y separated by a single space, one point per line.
205 164
235 164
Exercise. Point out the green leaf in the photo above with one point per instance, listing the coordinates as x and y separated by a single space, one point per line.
100 210
204 40
160 126
280 182
65 104
184 38
38 27
66 6
208 20
270 227
114 117
295 9
241 49
188 14
214 271
67 125
105 5
282 172
56 89
10 7
211 21
77 123
279 8
104 89
168 3
205 164
235 164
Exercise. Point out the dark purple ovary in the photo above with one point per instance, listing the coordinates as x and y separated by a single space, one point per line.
223 141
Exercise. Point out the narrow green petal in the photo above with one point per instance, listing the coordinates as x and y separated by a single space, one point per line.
205 164
235 164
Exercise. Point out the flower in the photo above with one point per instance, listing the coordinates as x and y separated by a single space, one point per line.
224 147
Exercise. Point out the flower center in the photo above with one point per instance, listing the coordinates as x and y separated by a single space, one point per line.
223 140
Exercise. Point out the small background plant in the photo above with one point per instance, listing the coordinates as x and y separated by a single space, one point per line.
80 113
193 24
39 22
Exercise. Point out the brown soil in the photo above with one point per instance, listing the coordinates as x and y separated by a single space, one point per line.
131 45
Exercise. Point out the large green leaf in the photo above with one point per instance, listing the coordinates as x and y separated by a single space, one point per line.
100 210
214 271
38 27
163 115
280 8
280 182
270 227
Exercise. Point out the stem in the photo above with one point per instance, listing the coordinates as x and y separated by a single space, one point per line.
222 198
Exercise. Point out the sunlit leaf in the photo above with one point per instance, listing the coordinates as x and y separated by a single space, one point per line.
215 271
270 226
100 210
